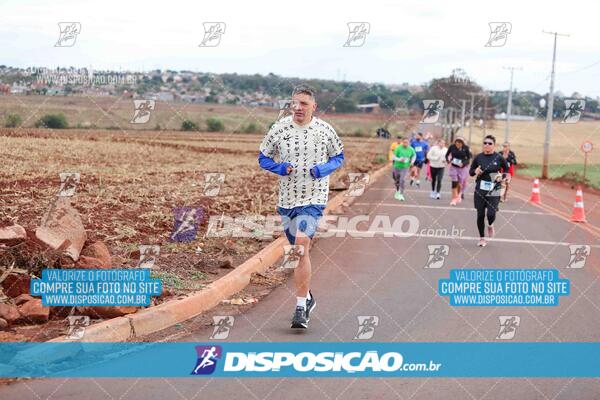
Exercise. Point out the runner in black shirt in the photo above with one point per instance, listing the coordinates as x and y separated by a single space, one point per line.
487 167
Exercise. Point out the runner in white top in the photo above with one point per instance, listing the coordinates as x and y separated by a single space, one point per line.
437 161
308 150
302 147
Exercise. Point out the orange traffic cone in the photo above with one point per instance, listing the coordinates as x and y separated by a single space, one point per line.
535 192
578 212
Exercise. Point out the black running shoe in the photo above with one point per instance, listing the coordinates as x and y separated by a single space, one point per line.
300 319
310 304
462 196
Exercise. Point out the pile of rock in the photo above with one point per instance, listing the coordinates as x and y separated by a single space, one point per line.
63 235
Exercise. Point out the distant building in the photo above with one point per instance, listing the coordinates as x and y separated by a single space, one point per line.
55 92
502 117
369 108
18 89
165 96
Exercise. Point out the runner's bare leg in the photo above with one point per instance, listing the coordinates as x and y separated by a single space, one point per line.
302 272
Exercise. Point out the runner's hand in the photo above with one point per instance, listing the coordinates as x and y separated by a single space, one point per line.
478 171
289 169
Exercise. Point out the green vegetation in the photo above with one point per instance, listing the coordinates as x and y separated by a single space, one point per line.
214 125
52 121
188 125
251 127
13 121
570 172
380 159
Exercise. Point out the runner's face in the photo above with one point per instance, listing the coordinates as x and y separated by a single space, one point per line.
488 146
303 107
405 142
458 144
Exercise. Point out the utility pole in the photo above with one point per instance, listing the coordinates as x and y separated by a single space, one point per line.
462 113
471 116
549 110
509 105
484 110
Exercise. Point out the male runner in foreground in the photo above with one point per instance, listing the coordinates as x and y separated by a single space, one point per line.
309 150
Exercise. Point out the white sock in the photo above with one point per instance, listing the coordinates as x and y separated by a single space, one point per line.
301 302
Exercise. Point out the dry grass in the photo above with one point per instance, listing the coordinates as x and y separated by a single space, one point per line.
116 113
527 140
130 183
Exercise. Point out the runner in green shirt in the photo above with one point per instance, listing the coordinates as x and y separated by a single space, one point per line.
404 157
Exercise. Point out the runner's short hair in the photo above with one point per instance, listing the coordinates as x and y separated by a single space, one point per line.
493 139
304 89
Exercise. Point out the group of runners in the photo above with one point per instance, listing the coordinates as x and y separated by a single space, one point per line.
492 171
308 150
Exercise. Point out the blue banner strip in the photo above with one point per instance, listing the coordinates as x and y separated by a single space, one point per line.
300 359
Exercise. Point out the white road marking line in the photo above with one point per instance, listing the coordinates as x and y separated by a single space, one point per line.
410 190
450 208
367 234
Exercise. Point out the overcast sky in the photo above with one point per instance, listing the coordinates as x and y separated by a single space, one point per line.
409 41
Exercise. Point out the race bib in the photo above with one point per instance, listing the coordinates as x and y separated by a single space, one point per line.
418 148
457 162
485 185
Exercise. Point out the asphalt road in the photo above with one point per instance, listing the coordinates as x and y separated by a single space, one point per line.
385 277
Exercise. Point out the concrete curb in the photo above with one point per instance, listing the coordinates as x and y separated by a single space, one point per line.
172 312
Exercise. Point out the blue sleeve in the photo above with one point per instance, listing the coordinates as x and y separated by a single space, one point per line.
270 165
322 170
